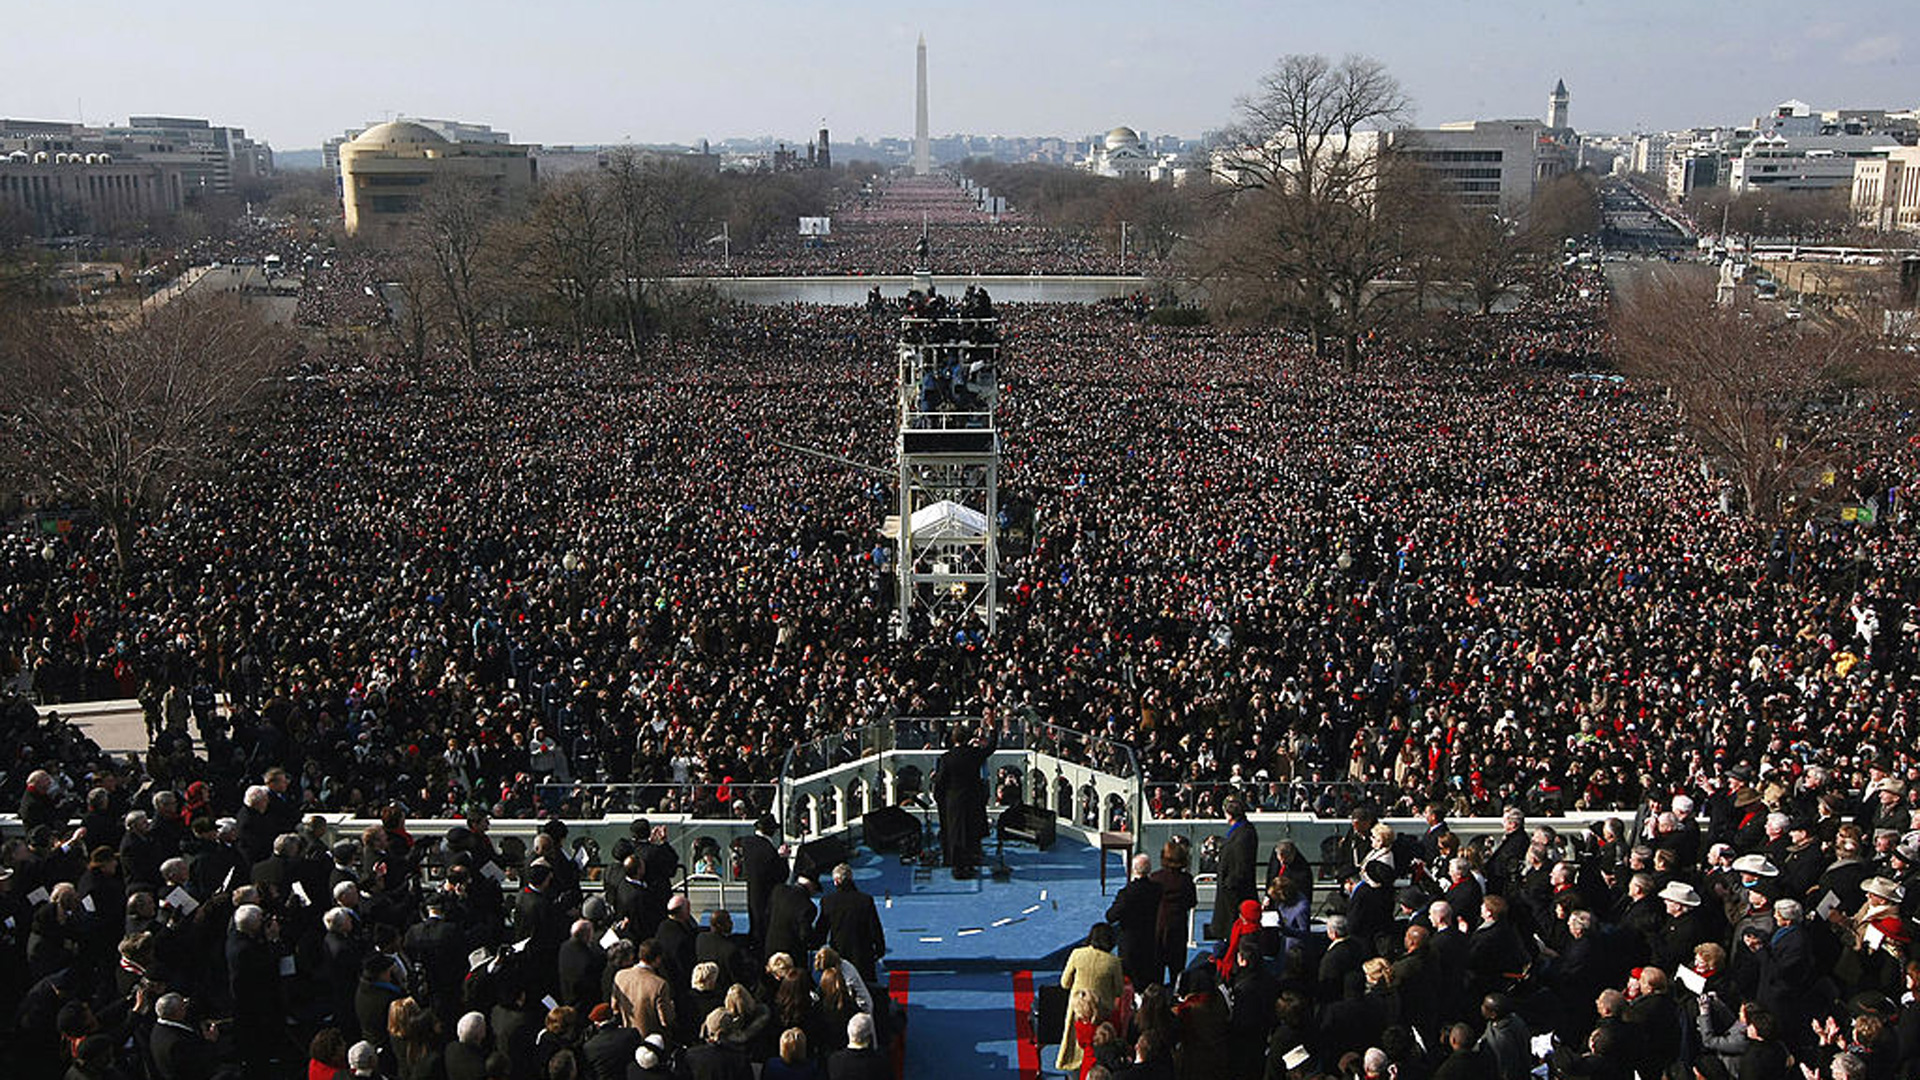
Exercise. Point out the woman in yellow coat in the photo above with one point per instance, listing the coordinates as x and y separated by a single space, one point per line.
1094 968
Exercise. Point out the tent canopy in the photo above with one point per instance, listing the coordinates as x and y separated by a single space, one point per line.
948 520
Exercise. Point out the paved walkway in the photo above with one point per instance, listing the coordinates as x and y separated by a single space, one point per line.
119 726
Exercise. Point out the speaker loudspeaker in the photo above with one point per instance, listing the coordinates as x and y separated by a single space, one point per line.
1034 824
817 858
891 829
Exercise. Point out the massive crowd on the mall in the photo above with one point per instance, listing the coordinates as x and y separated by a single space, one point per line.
874 231
1459 580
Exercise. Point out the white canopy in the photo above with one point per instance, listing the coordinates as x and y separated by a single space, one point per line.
947 520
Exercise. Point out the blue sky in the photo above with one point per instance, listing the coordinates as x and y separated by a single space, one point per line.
562 71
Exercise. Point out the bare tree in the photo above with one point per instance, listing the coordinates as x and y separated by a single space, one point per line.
1305 237
451 237
1771 403
573 249
1564 208
1489 254
413 323
109 417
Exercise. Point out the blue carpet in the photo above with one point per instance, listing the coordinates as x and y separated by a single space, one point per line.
960 1024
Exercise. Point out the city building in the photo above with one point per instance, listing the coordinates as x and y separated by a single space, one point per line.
1122 154
1886 191
1790 118
211 158
70 178
1495 165
389 168
1772 161
59 193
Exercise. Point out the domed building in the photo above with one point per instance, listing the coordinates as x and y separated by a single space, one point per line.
1122 154
387 170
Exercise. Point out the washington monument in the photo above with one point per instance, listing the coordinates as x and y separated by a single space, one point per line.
922 152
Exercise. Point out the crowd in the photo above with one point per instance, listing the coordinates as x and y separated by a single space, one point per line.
573 583
1754 936
875 231
148 938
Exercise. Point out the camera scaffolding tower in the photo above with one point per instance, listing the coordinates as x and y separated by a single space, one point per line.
948 449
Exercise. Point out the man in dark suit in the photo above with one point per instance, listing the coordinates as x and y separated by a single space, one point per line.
339 972
1135 915
581 964
1436 818
634 900
1417 979
718 946
764 868
437 947
1787 967
465 1058
861 1060
253 974
1507 858
609 1047
1496 955
661 860
1339 965
537 921
790 916
850 922
1463 892
179 1050
1448 949
379 988
1238 854
676 935
961 792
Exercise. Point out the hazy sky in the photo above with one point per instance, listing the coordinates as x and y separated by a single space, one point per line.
566 71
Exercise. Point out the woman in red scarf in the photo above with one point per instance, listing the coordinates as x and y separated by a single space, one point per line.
197 802
1247 923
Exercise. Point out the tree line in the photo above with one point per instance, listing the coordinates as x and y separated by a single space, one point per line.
587 252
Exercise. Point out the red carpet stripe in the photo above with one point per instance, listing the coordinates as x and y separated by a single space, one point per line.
897 990
1023 1025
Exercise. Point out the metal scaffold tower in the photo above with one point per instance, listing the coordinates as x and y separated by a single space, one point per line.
947 528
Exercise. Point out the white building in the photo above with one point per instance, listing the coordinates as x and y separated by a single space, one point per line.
1777 162
1495 165
1886 191
1125 154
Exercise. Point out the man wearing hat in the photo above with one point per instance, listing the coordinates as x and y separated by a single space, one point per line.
651 1058
1685 926
1805 860
1904 867
1888 808
1878 923
437 946
1749 818
1846 874
609 1046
